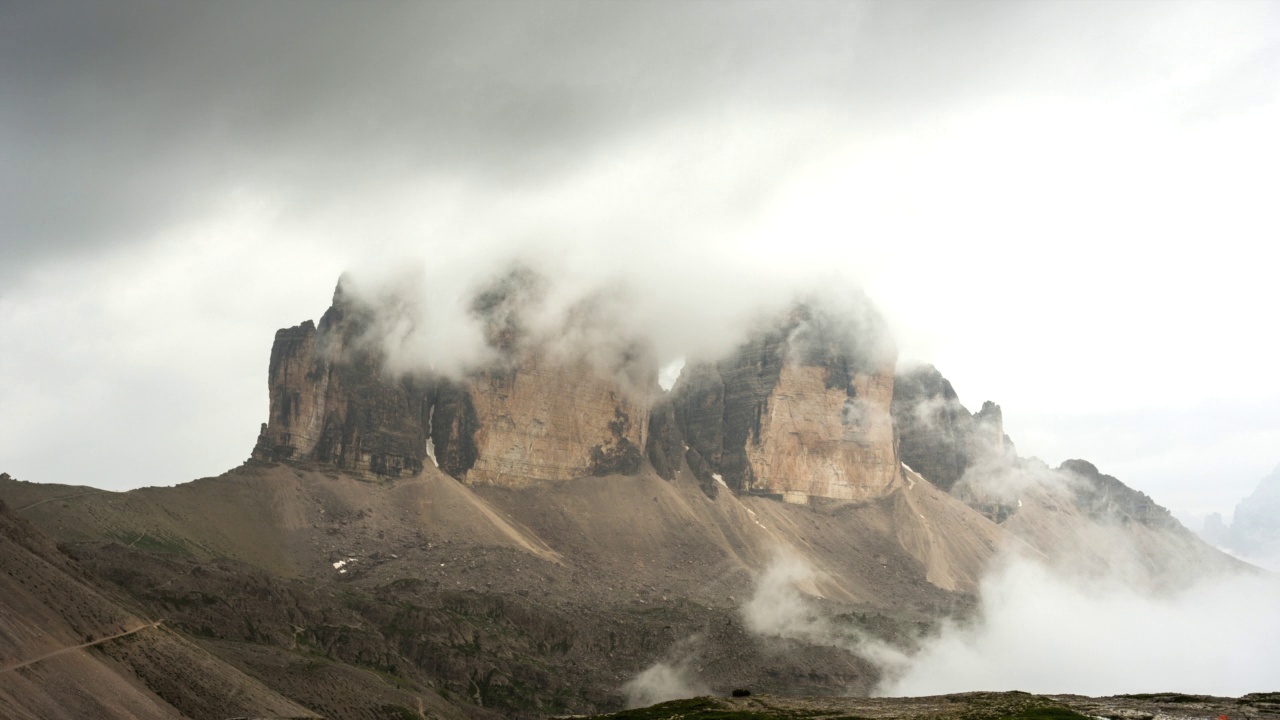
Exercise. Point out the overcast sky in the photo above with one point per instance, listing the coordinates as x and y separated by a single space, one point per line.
1069 208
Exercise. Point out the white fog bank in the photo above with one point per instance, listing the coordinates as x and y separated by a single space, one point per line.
1038 632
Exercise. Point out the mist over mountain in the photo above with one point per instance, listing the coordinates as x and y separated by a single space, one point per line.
992 174
525 523
794 354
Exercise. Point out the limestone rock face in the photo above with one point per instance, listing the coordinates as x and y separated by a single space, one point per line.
826 442
801 410
937 436
330 401
531 416
550 421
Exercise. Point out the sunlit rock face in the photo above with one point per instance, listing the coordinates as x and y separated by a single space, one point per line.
801 410
532 414
571 405
546 420
825 441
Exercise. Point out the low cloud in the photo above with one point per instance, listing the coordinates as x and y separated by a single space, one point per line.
779 608
1040 631
1052 628
995 476
628 314
669 679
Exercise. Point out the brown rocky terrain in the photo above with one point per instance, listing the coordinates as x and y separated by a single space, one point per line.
536 598
966 706
523 538
70 648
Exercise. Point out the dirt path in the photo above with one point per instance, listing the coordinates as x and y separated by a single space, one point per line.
99 641
63 497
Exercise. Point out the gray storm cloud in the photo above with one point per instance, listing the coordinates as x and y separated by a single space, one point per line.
197 175
121 119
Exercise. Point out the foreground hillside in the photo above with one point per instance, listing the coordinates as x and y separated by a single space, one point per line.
966 706
70 648
542 599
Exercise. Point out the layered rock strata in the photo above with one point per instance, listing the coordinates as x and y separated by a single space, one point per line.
806 407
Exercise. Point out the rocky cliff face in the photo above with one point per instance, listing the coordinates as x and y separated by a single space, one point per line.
332 403
546 420
529 416
937 436
800 410
969 455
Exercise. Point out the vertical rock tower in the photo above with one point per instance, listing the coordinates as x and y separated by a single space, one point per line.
938 437
531 415
801 410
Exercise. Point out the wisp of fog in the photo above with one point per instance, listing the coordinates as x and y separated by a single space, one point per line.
669 679
1038 631
1042 629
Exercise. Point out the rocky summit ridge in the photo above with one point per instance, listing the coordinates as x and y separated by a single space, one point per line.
801 409
809 406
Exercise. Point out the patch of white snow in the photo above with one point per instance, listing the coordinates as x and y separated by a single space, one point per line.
431 450
754 520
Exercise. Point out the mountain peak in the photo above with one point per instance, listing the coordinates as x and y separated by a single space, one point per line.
532 415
